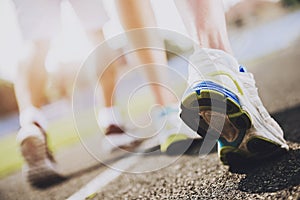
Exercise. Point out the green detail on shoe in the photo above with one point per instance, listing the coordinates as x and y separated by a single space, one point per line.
223 151
91 196
263 138
171 139
262 145
217 73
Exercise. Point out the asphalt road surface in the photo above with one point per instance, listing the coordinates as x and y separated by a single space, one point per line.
189 176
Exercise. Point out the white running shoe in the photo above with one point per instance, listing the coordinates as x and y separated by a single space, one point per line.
175 138
223 103
115 134
40 168
116 138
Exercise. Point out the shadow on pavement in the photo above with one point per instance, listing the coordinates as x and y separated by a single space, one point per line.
49 182
282 172
189 147
273 176
78 173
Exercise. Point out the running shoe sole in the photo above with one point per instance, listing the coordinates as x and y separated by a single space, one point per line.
39 169
213 100
209 96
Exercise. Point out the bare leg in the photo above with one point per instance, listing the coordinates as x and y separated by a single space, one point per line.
138 14
31 78
108 77
109 117
30 92
209 19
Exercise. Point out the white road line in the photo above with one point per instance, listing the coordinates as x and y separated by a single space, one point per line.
104 178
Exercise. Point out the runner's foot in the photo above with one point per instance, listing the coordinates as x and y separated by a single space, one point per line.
117 138
223 103
40 168
115 134
175 137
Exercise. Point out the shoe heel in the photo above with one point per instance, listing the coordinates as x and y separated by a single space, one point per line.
212 100
33 150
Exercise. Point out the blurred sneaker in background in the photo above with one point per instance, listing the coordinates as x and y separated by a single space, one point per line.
40 166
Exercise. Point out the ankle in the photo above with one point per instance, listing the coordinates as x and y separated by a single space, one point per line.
33 115
109 116
214 40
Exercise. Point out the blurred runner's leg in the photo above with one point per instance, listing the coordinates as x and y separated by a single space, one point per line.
93 16
39 22
136 15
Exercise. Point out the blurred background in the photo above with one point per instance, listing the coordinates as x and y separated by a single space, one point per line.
257 29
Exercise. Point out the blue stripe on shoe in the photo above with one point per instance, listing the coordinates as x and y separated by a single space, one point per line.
242 69
209 85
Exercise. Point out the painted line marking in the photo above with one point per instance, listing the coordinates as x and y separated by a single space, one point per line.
104 178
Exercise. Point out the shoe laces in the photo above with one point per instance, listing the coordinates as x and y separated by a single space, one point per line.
252 93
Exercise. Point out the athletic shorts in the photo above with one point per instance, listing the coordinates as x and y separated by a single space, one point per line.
40 19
